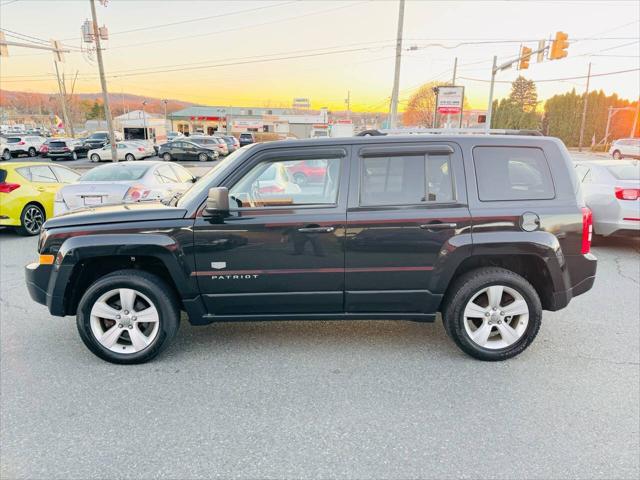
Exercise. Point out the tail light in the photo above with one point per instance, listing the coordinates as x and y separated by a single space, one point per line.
136 193
587 230
65 149
140 149
8 187
44 149
21 143
627 193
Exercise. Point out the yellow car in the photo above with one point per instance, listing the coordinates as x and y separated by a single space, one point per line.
27 191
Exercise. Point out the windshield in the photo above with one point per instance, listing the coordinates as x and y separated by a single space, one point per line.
58 143
205 182
98 136
114 173
627 171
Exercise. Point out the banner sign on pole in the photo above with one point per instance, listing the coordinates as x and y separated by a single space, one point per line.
450 100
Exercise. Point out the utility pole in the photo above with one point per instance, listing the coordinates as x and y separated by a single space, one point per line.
63 101
393 116
348 102
144 120
635 119
103 83
453 83
584 109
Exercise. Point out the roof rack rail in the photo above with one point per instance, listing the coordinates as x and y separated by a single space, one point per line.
446 131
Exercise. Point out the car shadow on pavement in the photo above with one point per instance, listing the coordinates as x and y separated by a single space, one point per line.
403 336
632 243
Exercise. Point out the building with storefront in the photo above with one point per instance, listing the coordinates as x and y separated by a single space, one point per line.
213 119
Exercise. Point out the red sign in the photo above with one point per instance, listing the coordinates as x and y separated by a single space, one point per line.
448 110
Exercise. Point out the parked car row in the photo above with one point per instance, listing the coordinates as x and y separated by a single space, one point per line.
32 192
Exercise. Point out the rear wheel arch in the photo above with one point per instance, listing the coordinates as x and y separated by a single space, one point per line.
531 267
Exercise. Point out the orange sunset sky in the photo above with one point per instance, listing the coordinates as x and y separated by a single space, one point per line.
214 52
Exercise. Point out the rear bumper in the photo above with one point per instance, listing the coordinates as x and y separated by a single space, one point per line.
581 275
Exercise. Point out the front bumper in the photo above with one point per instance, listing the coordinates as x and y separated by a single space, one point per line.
39 278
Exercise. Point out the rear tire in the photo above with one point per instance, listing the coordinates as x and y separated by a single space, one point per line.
166 157
466 317
203 157
104 296
95 158
31 220
32 152
74 155
6 155
617 155
300 179
129 157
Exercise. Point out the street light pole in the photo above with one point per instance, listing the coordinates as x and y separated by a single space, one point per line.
494 70
103 83
144 120
584 110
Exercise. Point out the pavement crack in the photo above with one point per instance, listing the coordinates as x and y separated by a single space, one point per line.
618 263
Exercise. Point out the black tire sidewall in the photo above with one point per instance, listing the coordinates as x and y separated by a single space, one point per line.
166 157
149 285
32 152
468 286
129 157
95 158
22 229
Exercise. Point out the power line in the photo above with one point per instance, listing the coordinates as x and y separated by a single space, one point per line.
555 79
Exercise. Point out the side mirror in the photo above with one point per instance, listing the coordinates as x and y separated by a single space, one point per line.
217 202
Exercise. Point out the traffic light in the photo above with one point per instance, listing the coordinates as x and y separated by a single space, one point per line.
525 56
559 46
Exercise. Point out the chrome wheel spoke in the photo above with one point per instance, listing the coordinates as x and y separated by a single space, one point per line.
508 334
148 315
139 340
474 310
495 295
481 335
127 299
518 307
111 336
102 310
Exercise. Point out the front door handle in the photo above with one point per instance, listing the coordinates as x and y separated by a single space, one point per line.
316 229
438 226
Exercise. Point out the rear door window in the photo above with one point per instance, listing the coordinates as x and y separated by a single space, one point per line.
65 175
512 173
406 180
42 174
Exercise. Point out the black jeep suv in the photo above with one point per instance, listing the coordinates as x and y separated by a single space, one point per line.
487 230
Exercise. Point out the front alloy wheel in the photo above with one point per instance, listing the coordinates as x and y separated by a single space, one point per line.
203 157
128 316
124 320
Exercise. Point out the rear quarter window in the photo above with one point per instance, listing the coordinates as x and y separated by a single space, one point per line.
629 171
512 173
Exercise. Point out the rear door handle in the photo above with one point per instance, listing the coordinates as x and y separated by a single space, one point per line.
438 226
316 229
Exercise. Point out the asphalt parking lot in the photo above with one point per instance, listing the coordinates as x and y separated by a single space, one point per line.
325 399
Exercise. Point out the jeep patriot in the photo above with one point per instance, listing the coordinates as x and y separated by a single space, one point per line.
488 231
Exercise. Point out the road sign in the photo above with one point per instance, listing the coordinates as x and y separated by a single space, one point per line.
449 100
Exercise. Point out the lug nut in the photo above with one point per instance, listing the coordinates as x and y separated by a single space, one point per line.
130 327
126 312
120 325
134 318
486 314
502 313
118 317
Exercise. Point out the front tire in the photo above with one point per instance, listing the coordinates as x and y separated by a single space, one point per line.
95 158
6 155
492 313
300 179
203 157
617 155
74 155
32 152
31 220
129 157
166 157
128 317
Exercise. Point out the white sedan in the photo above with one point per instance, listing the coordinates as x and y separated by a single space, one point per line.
126 151
125 182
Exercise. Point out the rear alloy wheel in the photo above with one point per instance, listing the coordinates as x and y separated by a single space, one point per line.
203 157
166 157
31 220
129 157
74 155
32 152
492 313
128 316
6 155
300 179
95 158
617 155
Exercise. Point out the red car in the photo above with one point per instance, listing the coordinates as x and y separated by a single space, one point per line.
308 171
